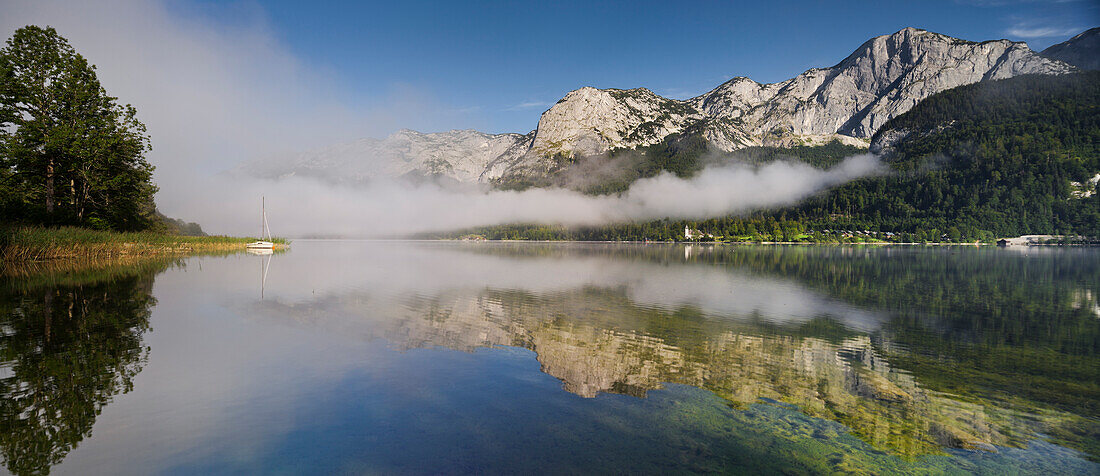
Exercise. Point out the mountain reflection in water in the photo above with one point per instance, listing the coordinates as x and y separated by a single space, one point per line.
936 359
823 328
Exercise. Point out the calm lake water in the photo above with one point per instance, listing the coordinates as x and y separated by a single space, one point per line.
440 357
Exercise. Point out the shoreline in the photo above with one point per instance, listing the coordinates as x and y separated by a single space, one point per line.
20 245
785 243
27 244
720 243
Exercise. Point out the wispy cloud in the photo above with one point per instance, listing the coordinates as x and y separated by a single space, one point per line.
528 105
215 94
1032 31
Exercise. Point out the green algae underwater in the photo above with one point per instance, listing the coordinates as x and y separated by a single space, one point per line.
429 357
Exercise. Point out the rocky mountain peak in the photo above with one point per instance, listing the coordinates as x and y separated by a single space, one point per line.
883 78
1082 51
590 121
404 133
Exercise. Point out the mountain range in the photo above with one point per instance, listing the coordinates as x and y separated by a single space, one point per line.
882 79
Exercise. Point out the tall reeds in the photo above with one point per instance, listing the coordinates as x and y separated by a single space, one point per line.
25 243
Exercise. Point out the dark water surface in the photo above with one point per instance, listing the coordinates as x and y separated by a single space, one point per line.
433 357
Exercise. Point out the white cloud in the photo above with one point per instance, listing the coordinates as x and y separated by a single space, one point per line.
528 105
300 206
1023 31
216 94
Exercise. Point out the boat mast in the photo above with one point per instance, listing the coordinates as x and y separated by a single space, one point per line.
263 216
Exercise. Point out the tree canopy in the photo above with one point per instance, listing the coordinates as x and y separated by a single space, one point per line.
69 153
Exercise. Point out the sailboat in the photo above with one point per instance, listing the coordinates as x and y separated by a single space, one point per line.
262 244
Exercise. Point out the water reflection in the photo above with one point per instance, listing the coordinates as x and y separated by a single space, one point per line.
271 363
914 350
69 342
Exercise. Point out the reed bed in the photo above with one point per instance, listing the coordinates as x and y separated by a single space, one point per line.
25 276
23 244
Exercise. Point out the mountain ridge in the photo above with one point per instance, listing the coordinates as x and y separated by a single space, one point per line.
881 79
1082 51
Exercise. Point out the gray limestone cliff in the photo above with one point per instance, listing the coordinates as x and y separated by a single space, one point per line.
883 78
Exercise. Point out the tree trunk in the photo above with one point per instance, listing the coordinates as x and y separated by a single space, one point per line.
49 186
83 200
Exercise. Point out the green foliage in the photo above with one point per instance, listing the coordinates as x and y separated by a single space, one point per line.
28 243
69 153
64 236
683 155
990 159
982 161
822 156
176 226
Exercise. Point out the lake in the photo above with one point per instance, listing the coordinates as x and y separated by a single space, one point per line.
451 357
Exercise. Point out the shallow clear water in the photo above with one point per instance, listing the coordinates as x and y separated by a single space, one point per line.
440 357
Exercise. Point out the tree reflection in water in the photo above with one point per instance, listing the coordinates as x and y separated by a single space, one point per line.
69 342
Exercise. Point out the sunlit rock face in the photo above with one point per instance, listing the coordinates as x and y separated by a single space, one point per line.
589 121
882 79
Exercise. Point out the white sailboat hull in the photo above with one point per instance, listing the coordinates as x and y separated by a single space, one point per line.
260 245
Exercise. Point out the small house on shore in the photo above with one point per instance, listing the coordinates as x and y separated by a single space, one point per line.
695 234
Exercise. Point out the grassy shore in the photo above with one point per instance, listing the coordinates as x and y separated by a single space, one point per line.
27 243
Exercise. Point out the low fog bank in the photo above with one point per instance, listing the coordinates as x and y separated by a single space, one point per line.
216 94
300 207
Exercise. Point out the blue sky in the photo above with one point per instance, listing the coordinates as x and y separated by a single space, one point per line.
220 83
497 65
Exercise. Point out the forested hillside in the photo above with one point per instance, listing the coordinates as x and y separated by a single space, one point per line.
998 158
683 154
990 158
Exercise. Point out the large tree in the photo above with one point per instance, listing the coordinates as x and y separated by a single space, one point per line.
69 153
